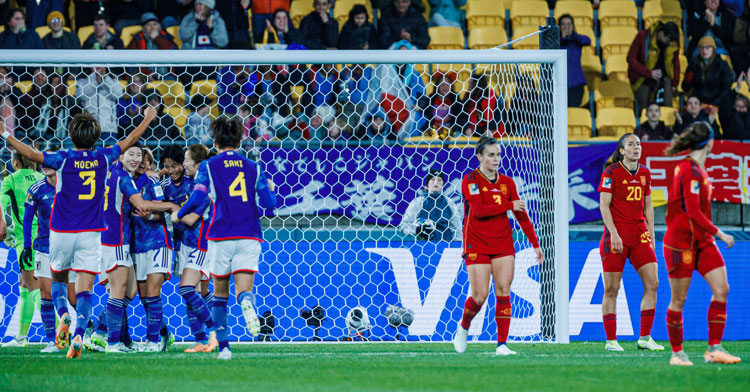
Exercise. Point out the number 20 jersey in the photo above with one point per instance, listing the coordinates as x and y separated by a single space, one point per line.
79 193
629 190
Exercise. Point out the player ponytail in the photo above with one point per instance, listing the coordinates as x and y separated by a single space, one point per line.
84 130
147 153
483 142
227 132
695 137
617 155
21 162
199 153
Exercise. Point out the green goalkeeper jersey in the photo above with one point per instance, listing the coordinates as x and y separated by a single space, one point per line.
13 192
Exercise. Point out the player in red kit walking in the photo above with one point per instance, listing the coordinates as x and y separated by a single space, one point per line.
628 214
689 244
488 241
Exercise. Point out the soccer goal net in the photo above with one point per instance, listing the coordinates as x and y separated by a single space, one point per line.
357 247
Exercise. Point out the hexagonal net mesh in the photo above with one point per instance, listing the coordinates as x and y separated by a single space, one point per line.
351 148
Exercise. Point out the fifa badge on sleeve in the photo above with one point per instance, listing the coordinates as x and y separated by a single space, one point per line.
473 189
695 187
607 183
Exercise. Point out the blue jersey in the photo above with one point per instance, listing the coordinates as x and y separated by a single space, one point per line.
149 234
232 183
79 197
194 235
177 194
119 188
39 202
203 232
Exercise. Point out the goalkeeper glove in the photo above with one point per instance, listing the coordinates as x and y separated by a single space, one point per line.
25 259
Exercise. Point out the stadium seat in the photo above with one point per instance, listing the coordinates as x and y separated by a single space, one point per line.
528 43
683 68
342 8
172 92
616 67
615 121
2 28
589 32
617 13
127 33
24 85
481 13
581 11
666 11
616 40
298 9
667 115
41 31
461 74
579 124
529 13
592 68
180 115
585 98
446 38
486 37
71 87
743 89
85 31
174 31
614 93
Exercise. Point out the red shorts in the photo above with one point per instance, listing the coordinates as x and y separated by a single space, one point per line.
508 249
682 263
636 246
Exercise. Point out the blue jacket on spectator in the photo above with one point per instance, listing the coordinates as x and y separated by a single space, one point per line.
446 12
233 92
573 44
27 39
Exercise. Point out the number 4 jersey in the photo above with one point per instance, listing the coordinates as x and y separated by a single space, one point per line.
79 193
628 190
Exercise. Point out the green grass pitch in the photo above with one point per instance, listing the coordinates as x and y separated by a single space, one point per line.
580 366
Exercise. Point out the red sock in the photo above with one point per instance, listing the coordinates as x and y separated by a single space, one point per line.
674 327
503 313
647 320
470 310
717 317
610 325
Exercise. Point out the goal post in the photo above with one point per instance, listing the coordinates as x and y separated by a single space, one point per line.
335 240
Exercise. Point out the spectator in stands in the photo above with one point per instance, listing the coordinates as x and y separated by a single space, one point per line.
197 128
203 28
16 35
654 64
47 108
264 12
739 125
152 36
432 215
709 78
235 85
281 31
741 49
163 126
446 12
444 107
170 12
129 105
375 128
9 95
653 128
128 12
86 12
383 5
358 32
58 38
322 124
321 30
98 94
693 113
403 22
249 119
37 11
715 20
29 103
234 13
356 92
273 91
102 38
480 109
323 88
573 42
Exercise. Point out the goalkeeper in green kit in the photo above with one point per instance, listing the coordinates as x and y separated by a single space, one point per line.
13 192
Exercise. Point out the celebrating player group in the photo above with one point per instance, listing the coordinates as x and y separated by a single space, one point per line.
100 210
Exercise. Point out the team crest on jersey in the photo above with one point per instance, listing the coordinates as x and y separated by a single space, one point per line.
607 183
29 197
695 187
157 191
687 257
473 189
643 180
645 238
503 189
472 256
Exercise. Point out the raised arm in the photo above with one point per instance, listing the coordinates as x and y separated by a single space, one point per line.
21 147
148 115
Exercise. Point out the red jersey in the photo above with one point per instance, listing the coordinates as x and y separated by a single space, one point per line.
688 218
629 191
486 203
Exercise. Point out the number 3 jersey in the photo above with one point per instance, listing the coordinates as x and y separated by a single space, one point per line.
79 197
629 190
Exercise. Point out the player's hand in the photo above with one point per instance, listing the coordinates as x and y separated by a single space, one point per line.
174 217
142 213
3 226
616 243
656 74
726 238
271 185
539 255
149 113
519 205
25 258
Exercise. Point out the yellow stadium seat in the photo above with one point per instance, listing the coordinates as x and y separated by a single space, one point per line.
667 115
127 33
480 13
528 43
579 124
592 68
446 38
614 122
589 32
41 31
617 13
486 37
172 92
616 40
614 93
85 31
207 88
744 90
71 87
2 28
616 67
342 8
174 31
24 86
581 11
180 115
666 11
298 9
529 13
585 98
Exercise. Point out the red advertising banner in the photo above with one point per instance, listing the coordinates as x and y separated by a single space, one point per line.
728 165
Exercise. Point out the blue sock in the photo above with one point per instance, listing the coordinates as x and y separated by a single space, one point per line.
154 318
195 301
246 295
125 330
83 308
163 330
196 326
209 299
60 297
48 319
219 313
114 319
101 326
